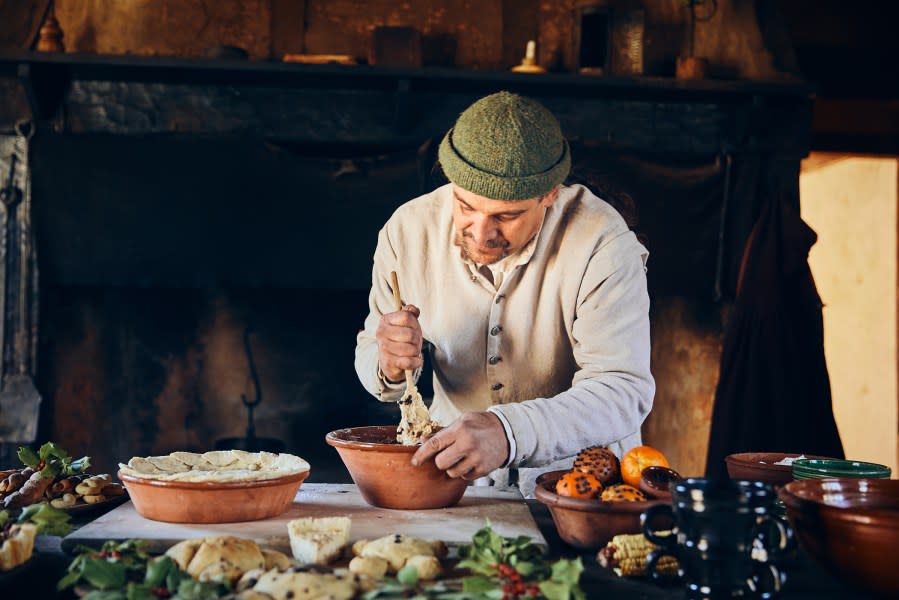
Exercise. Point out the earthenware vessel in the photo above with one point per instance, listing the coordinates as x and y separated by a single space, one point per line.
588 523
850 526
381 469
212 502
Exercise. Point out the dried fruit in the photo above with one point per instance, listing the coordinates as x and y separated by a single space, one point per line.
623 493
578 485
599 462
636 459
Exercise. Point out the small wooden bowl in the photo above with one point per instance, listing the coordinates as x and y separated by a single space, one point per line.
211 502
588 524
656 482
381 469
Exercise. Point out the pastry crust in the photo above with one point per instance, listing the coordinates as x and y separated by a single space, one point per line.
215 466
369 566
223 558
18 546
318 540
398 551
305 585
428 567
275 560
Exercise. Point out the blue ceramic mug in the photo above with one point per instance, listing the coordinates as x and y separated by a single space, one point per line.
725 538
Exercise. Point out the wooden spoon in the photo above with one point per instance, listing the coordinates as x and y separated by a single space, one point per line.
415 420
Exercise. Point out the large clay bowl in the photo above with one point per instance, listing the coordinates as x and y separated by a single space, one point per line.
380 467
850 526
759 466
588 524
210 502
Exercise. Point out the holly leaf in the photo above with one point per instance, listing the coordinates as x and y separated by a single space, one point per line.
189 589
567 571
563 583
106 595
157 571
28 457
49 520
104 574
479 584
51 450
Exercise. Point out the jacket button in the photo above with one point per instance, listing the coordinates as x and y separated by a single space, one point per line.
494 359
496 386
499 298
496 329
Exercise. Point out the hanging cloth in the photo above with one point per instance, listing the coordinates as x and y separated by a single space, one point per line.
773 391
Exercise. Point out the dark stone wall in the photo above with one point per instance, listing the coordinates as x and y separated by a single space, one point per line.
138 371
158 252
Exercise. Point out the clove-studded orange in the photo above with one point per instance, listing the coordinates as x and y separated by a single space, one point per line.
578 485
599 462
623 493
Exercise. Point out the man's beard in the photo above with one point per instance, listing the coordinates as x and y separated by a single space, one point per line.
462 241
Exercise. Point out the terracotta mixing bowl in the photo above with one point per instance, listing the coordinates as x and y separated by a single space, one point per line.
210 502
759 466
850 526
381 469
588 524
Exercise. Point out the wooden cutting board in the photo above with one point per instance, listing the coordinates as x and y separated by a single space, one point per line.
507 512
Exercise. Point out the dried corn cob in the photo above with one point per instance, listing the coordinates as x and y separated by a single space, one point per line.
627 554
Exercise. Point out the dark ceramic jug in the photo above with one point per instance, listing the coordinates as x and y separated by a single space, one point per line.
725 538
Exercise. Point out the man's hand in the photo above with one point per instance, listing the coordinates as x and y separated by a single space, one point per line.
399 342
472 446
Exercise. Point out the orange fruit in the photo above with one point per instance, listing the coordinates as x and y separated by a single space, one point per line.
636 459
578 485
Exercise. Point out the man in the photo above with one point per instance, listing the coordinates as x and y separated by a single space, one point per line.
531 296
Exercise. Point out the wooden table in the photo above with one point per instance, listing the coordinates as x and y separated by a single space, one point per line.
509 514
506 510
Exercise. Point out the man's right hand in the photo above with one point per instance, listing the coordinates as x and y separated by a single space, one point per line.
399 342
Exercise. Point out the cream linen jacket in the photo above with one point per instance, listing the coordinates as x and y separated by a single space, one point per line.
560 350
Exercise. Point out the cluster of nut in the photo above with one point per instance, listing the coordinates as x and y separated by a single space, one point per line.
70 491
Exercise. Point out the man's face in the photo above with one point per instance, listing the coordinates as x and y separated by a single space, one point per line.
489 230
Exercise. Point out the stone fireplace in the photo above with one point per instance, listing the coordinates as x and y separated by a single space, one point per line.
179 205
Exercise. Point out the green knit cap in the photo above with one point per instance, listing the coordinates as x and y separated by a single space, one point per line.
505 147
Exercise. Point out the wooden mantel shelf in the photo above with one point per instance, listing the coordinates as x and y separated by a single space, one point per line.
194 71
361 104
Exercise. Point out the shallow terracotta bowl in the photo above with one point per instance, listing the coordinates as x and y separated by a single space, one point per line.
759 466
850 526
380 467
210 502
588 524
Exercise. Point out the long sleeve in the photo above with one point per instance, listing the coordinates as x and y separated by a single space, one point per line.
380 302
560 348
612 388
